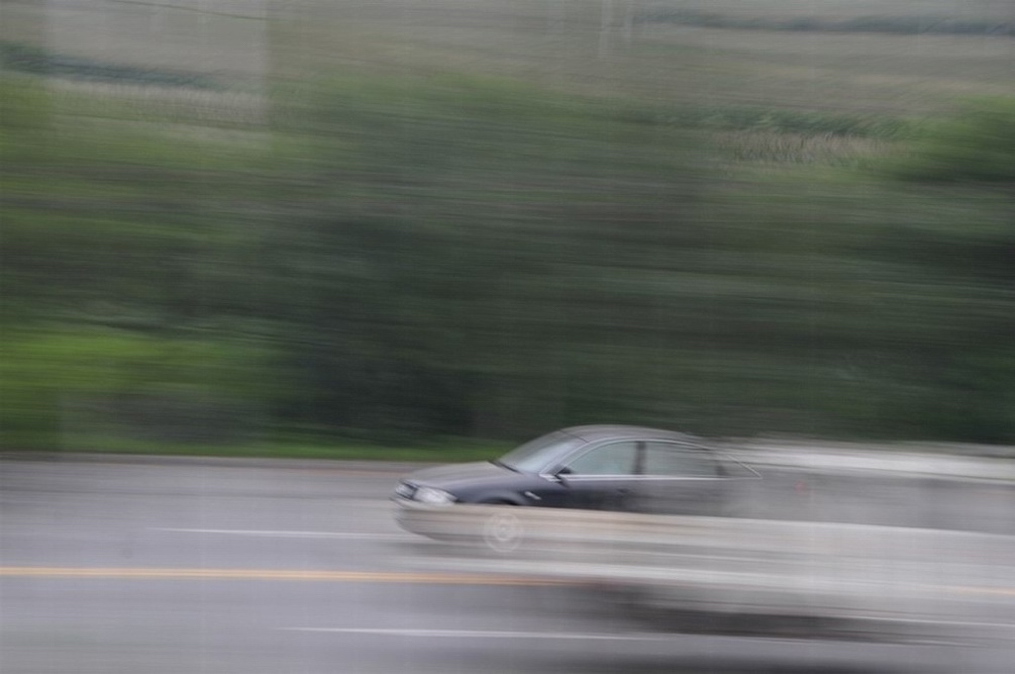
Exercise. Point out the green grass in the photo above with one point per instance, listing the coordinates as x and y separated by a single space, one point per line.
452 450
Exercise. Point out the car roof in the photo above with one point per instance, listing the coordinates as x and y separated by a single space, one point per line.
595 433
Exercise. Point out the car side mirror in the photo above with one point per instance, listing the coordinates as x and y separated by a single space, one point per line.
562 472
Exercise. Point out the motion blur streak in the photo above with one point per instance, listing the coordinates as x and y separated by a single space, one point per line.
270 574
109 568
281 222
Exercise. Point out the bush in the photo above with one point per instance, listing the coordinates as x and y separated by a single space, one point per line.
58 388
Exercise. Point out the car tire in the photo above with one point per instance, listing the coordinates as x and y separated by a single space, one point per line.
503 531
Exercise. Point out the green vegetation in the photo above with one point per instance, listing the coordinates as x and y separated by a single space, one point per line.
327 446
30 59
977 148
898 25
747 118
475 227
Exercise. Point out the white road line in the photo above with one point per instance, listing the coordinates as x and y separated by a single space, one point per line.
482 634
290 534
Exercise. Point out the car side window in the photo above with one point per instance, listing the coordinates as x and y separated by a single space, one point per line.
617 458
670 459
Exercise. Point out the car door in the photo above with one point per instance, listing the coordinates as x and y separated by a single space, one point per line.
601 478
680 479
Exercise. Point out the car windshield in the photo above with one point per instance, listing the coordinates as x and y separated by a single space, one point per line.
538 454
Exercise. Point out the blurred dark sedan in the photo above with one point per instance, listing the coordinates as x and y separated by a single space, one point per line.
619 468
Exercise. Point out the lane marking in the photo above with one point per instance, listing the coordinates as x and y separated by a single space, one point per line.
635 636
291 534
441 578
483 634
154 573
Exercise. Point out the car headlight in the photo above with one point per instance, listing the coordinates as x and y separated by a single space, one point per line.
432 496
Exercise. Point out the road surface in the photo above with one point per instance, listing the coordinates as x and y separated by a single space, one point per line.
186 567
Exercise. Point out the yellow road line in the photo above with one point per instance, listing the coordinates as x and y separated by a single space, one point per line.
125 573
156 573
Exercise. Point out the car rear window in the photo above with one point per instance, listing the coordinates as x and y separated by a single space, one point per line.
676 460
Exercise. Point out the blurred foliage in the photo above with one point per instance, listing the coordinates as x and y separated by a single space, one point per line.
976 147
415 257
461 253
498 270
30 59
753 118
908 24
52 382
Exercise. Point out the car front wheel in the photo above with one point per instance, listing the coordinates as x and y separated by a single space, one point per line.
503 531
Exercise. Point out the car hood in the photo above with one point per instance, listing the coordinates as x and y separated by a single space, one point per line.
471 474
